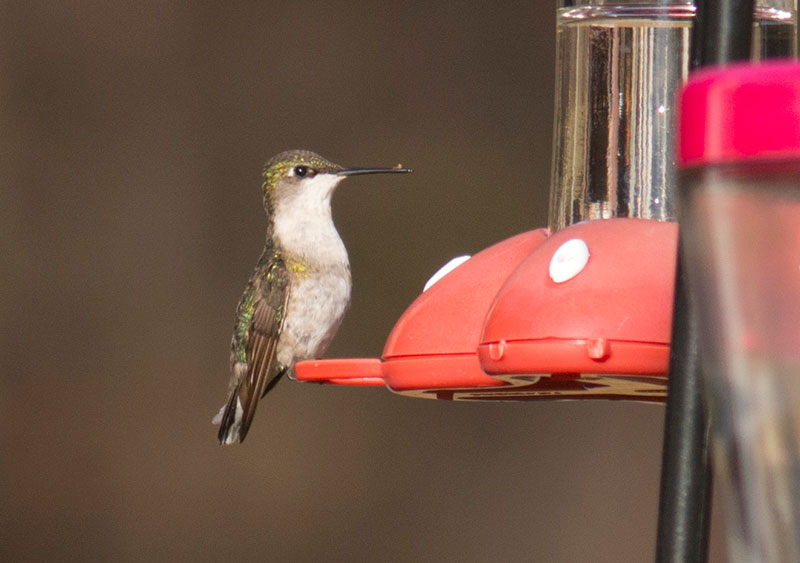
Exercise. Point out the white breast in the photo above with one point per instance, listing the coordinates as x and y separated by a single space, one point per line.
317 303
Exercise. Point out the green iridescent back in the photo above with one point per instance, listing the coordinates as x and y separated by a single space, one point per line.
269 282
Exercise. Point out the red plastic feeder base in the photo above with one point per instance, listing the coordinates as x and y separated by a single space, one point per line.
582 314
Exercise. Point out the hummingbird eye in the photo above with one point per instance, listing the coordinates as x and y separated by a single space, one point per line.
302 171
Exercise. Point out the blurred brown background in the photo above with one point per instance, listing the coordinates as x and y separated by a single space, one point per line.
133 136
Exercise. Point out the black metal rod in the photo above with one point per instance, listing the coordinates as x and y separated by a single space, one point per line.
721 33
685 500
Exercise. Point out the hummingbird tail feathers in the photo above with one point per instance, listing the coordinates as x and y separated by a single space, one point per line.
229 419
233 418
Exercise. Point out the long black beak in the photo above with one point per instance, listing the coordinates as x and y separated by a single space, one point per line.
354 171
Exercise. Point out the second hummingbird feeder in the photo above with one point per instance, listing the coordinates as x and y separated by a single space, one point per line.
740 153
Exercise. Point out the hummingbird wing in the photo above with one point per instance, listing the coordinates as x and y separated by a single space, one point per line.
260 319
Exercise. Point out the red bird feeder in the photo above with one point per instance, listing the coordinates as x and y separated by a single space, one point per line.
584 313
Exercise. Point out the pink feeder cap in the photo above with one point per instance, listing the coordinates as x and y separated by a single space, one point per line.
743 112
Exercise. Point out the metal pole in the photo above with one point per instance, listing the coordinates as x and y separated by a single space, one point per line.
685 503
721 33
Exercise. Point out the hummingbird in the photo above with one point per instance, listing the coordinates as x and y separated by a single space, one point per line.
299 290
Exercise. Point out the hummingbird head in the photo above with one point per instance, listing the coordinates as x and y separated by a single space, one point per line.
303 178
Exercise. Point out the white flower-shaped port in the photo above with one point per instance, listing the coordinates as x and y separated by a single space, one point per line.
569 260
446 269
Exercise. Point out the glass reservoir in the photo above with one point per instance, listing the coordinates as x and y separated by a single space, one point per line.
619 65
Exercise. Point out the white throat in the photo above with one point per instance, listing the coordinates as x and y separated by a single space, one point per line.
303 222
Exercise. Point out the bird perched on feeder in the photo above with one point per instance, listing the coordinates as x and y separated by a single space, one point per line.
298 293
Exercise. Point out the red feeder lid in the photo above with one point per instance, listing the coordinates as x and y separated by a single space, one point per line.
591 306
741 112
431 352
